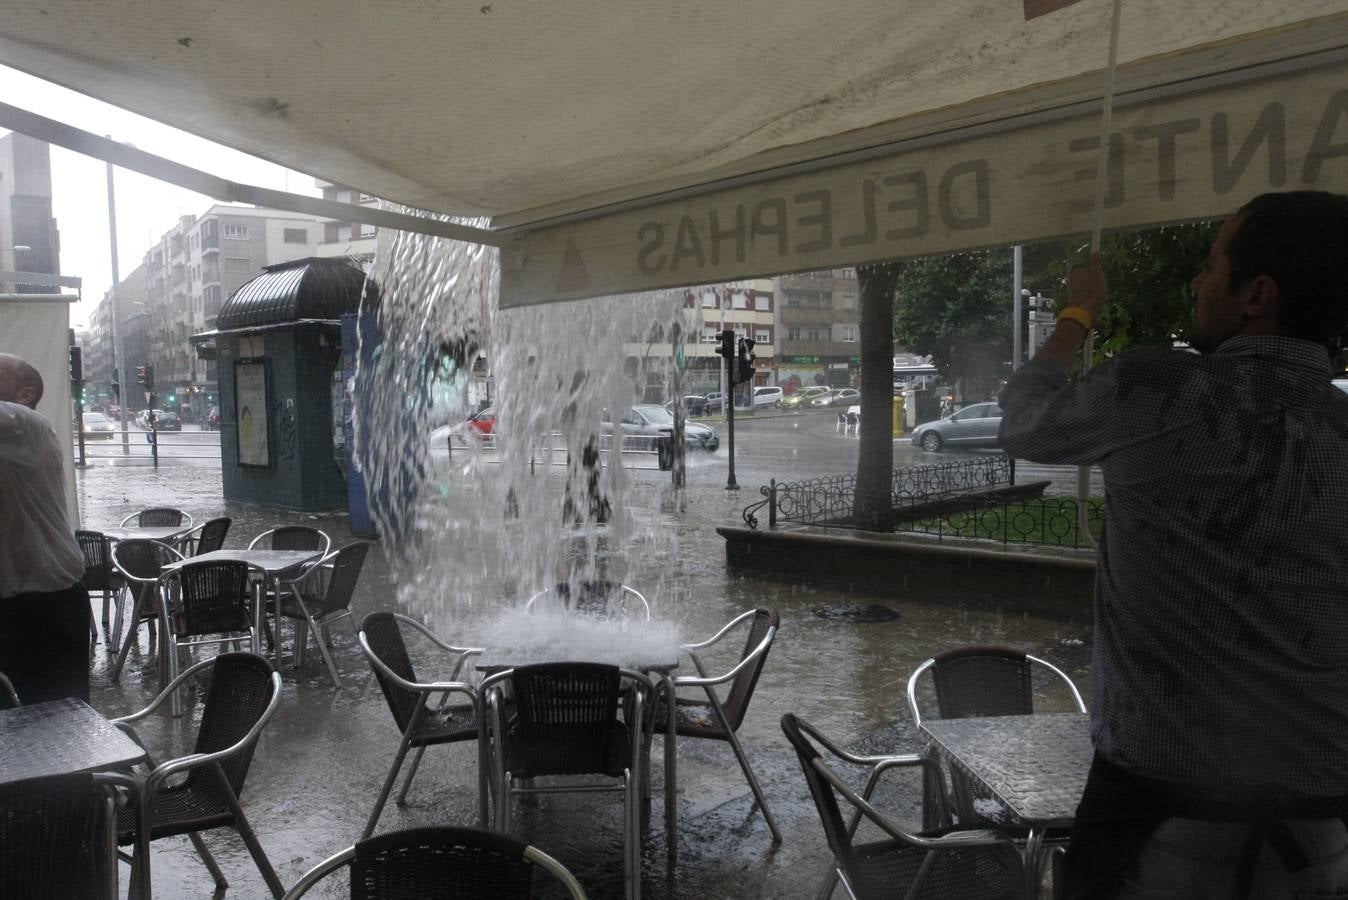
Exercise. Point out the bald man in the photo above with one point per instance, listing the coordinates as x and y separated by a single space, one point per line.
44 609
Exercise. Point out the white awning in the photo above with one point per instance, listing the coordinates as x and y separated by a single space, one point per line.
601 118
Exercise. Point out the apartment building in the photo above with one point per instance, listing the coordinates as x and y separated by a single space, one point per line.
29 241
819 325
341 238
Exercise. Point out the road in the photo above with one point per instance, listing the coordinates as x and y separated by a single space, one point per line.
796 445
189 447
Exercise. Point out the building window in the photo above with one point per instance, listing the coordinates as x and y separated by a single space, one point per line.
793 334
343 232
708 299
739 300
367 198
849 334
763 335
793 301
710 335
209 234
763 302
295 235
849 301
238 265
813 335
366 231
235 232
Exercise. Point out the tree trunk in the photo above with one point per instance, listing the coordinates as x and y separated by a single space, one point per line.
873 509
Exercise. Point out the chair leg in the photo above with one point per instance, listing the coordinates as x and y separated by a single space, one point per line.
131 630
411 773
168 647
107 602
220 882
116 639
319 635
754 785
632 837
255 850
384 791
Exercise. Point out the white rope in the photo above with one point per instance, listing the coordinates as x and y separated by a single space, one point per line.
1097 225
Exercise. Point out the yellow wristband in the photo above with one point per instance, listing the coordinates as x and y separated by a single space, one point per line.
1078 315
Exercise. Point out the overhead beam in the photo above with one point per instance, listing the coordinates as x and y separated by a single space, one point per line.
137 160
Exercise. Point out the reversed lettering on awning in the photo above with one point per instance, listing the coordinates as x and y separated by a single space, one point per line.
1196 156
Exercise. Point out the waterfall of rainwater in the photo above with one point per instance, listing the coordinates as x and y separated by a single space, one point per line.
474 526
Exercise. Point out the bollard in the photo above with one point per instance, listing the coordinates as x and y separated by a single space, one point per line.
898 415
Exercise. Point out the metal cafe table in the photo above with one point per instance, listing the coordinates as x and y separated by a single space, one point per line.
167 534
63 737
497 659
1036 766
278 564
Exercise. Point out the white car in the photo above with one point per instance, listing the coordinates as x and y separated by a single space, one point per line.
768 396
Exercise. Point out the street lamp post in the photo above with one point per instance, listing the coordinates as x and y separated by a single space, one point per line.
118 355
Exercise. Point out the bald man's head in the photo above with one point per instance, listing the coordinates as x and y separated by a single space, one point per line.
19 381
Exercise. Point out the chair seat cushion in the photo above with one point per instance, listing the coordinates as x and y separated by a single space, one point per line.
693 718
969 873
556 752
453 723
177 810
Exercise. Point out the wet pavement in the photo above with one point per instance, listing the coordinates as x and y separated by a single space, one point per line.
321 760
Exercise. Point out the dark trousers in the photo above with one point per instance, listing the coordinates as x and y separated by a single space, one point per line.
1119 811
44 644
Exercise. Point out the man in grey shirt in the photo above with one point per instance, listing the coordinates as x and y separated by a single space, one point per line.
1220 662
44 610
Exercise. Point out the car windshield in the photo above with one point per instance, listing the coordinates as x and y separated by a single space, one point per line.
95 419
655 415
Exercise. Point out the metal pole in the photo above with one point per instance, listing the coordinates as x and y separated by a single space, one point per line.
730 483
118 356
1017 350
676 468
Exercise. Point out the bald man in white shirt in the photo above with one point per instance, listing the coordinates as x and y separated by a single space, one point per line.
44 608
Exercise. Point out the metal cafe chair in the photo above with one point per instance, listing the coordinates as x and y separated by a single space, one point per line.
158 515
243 695
440 862
315 604
975 864
422 721
709 716
981 681
208 602
99 573
140 562
56 838
595 597
567 719
292 537
207 537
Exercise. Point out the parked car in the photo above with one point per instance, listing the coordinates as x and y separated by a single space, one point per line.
167 420
838 397
768 396
803 397
97 427
656 420
483 422
975 425
715 404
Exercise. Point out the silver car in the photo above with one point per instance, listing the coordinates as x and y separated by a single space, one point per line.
973 426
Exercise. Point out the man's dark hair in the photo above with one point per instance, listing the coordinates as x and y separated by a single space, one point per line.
1300 240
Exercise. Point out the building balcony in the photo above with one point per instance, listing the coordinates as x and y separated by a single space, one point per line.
820 348
801 315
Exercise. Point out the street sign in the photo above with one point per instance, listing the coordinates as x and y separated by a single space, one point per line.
148 394
149 437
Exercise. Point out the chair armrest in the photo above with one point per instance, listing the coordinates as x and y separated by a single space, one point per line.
423 687
173 766
163 695
318 872
703 680
726 629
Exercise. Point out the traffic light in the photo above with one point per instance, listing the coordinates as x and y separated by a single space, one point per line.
745 370
728 350
145 377
76 365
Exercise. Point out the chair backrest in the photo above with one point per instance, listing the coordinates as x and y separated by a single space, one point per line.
142 562
97 552
982 681
212 536
742 688
161 515
566 715
440 861
293 537
240 690
825 801
386 641
212 597
54 838
346 565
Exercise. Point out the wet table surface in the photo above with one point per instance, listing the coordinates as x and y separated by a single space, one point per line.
166 533
62 737
273 562
1035 765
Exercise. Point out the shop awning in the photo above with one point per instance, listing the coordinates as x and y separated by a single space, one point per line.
626 146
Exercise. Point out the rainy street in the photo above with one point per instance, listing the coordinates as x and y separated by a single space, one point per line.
321 760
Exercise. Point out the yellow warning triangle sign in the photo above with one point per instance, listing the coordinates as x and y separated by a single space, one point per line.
573 275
